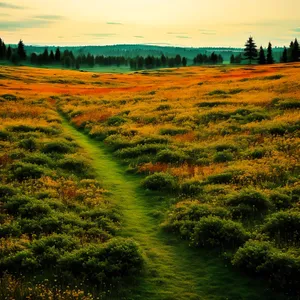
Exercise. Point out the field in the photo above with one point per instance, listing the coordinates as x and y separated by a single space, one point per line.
166 184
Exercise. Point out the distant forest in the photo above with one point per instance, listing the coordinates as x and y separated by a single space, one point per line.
137 57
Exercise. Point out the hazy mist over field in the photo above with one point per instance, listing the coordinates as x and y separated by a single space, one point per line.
185 23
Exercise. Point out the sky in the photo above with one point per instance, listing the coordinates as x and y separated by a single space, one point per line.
195 23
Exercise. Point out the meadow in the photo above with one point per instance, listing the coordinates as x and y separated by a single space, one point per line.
170 176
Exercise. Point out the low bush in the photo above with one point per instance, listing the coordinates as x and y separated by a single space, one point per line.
7 191
223 156
248 202
288 104
171 156
115 121
134 152
98 263
4 135
173 131
74 165
214 232
160 181
191 188
38 159
220 178
284 227
57 147
29 144
22 171
281 201
163 107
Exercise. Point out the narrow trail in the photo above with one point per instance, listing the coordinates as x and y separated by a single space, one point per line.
174 271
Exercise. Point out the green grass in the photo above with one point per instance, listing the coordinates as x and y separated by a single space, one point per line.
173 270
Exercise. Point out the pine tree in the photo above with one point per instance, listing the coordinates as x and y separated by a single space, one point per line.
9 53
57 55
284 57
2 50
250 51
270 59
232 59
261 56
177 60
290 51
163 60
184 61
21 50
295 51
51 57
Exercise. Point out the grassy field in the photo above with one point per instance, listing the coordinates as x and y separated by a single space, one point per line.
190 175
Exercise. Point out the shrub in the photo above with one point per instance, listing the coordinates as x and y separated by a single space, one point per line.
21 171
139 150
281 201
160 181
217 92
29 144
4 135
224 147
8 230
252 256
284 227
258 153
212 103
247 203
57 147
214 232
116 258
115 121
224 156
163 107
38 159
22 128
7 191
78 166
173 131
171 156
289 104
191 188
220 178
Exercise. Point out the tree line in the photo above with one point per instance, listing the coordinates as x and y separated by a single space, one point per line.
68 59
291 54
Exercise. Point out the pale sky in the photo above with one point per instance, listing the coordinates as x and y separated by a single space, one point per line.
195 23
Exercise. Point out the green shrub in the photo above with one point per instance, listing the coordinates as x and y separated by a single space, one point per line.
281 201
224 147
289 104
115 121
258 153
191 188
116 258
22 171
173 131
171 156
75 165
217 92
160 181
28 144
220 178
134 152
212 103
213 117
22 128
224 156
214 232
7 191
57 147
34 209
10 230
38 159
252 256
284 227
4 135
273 77
247 203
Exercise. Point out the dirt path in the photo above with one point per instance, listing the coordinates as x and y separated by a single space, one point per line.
173 270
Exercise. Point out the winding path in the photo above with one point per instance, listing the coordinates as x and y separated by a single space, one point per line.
173 270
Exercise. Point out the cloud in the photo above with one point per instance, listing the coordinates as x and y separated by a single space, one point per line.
8 5
175 33
4 15
139 36
50 17
183 37
17 25
114 23
296 29
100 35
208 31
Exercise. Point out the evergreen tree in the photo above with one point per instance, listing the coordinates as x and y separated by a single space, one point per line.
57 55
250 51
232 59
163 60
2 50
21 51
184 61
295 51
270 59
177 60
261 56
52 57
45 56
284 57
290 51
9 53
